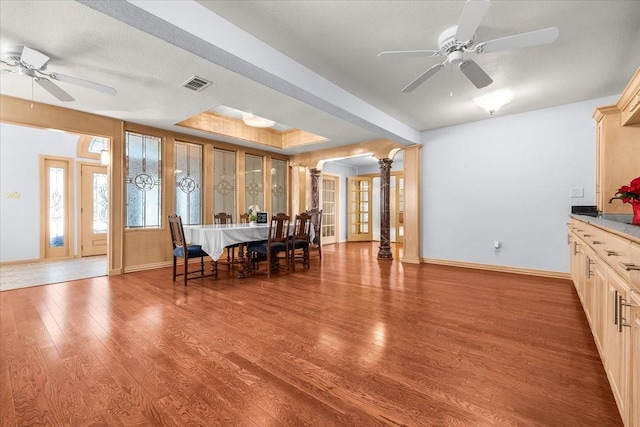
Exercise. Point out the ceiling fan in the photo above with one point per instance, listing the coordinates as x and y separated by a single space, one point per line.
454 42
28 62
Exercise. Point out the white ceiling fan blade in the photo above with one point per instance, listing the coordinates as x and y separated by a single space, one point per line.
84 83
32 58
423 77
409 53
54 90
472 14
533 38
474 73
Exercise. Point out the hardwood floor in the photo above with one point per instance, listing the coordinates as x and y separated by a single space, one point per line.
355 342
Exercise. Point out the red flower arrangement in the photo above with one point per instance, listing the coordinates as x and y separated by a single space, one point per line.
630 194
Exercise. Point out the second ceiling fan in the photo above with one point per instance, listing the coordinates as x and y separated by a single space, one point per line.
454 42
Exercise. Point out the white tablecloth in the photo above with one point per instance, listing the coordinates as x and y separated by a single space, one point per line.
215 237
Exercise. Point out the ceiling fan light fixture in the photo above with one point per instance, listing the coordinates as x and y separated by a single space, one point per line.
493 101
256 121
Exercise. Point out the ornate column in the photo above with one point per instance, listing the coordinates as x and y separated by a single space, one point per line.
385 219
315 188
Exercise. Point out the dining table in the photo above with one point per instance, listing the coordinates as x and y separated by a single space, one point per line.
214 238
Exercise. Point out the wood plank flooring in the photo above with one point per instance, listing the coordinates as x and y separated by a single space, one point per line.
353 341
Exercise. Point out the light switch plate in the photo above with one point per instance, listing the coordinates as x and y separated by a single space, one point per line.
576 193
13 195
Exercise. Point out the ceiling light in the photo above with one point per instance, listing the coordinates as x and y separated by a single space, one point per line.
256 121
493 101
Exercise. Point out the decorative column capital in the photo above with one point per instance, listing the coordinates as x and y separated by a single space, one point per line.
385 165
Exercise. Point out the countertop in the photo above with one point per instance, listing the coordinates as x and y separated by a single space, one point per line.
621 227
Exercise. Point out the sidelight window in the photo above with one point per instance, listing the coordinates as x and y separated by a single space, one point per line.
143 172
188 182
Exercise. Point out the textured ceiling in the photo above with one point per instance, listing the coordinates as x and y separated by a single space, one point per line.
334 44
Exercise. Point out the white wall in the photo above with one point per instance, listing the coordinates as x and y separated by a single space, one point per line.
343 171
20 149
507 179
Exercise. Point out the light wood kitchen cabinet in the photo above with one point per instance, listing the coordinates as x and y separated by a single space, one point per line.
617 357
617 147
634 344
617 158
629 102
604 269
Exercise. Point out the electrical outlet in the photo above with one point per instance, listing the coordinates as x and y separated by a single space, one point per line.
497 246
13 195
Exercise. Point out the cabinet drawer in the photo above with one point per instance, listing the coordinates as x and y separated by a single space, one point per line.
615 251
634 266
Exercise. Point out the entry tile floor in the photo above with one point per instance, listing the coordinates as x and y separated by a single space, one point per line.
14 276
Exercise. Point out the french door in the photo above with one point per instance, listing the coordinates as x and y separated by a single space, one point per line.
94 209
330 193
359 211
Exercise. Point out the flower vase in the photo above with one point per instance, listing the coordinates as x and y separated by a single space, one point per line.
252 223
635 220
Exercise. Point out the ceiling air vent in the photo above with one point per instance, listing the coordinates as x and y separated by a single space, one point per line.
196 83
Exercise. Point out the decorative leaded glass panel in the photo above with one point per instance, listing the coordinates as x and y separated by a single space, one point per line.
224 181
278 186
100 203
188 182
143 156
98 144
56 207
253 181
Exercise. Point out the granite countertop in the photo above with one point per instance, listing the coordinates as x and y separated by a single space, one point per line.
613 222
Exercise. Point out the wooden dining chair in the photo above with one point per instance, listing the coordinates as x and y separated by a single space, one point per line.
316 221
182 249
276 248
225 218
300 241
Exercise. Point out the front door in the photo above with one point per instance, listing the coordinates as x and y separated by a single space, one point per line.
94 208
359 215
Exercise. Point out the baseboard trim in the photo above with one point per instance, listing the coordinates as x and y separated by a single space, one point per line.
498 268
152 266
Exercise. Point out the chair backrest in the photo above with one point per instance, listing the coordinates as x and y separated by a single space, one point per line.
244 218
302 227
316 220
177 232
279 228
222 218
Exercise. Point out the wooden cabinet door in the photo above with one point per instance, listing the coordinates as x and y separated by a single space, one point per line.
617 341
634 359
599 318
574 263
